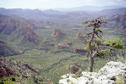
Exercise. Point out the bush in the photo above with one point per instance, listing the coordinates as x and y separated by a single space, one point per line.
8 80
115 42
104 53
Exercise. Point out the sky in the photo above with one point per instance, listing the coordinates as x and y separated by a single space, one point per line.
52 4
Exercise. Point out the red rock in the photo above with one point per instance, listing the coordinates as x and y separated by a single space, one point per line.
79 35
79 50
24 28
58 33
5 71
74 69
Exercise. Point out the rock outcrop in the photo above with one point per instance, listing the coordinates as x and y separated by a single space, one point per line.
11 67
106 75
4 70
58 33
21 72
79 50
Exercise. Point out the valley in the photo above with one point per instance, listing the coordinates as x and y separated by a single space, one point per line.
48 42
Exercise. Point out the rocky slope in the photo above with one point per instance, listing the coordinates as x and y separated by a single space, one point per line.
52 17
117 21
19 27
6 50
109 74
22 72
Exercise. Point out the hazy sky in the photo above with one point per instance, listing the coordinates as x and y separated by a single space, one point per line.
51 4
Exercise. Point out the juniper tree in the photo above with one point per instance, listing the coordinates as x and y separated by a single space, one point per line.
95 43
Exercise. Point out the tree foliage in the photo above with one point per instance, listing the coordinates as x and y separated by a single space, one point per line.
96 45
95 38
115 42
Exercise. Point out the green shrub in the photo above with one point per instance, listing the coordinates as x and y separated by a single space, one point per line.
104 53
115 42
9 82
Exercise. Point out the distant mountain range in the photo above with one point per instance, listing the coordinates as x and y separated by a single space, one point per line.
21 23
61 14
89 8
61 18
54 17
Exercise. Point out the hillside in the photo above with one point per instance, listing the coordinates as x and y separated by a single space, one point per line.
61 19
117 21
6 50
18 28
41 46
18 72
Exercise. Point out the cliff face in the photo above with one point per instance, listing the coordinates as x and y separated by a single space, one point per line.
109 74
18 26
117 21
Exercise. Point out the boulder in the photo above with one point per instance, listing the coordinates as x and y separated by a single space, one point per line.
106 75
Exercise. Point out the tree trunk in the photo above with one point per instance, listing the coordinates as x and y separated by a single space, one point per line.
124 79
91 54
91 64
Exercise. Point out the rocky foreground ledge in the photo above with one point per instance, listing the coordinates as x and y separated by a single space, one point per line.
109 74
